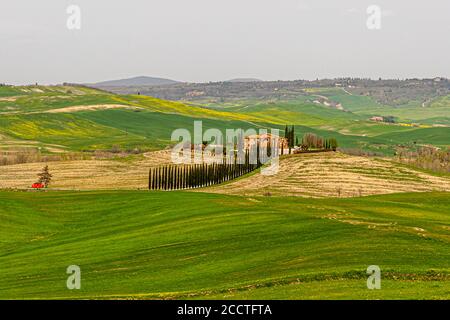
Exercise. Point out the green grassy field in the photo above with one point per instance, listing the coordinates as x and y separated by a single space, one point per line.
435 136
27 114
102 129
196 245
132 244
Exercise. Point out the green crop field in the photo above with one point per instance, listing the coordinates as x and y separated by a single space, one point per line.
196 245
79 119
199 245
435 136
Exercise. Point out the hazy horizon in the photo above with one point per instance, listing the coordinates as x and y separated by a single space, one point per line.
205 41
223 80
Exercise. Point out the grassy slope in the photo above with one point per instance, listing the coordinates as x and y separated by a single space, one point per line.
23 118
413 112
105 128
435 136
169 244
369 135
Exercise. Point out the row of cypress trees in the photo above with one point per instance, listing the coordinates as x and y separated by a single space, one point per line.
289 134
176 177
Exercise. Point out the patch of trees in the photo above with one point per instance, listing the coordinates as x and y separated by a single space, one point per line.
177 177
309 141
389 119
289 135
428 158
390 92
27 155
313 141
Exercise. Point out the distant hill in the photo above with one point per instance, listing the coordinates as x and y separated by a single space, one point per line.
135 81
244 80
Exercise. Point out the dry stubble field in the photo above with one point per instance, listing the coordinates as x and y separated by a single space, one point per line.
306 175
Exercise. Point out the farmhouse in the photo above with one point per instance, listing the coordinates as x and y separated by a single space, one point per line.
377 119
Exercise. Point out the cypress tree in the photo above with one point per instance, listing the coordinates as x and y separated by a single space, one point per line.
169 177
150 178
172 176
196 176
188 177
153 178
160 177
166 180
163 178
292 136
202 175
157 178
258 150
175 177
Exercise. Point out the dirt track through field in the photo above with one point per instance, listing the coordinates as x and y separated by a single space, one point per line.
90 108
334 175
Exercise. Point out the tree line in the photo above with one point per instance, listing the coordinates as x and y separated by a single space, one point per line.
308 142
312 141
429 158
177 177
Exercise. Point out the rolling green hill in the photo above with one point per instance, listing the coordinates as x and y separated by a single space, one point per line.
173 245
433 136
80 118
103 129
134 244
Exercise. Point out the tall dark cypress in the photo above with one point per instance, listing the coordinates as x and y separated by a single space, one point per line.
159 178
169 177
292 136
153 178
166 178
174 178
150 179
170 180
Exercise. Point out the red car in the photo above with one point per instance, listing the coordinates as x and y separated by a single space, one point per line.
37 186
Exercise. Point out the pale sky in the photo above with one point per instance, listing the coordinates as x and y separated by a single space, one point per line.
213 40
